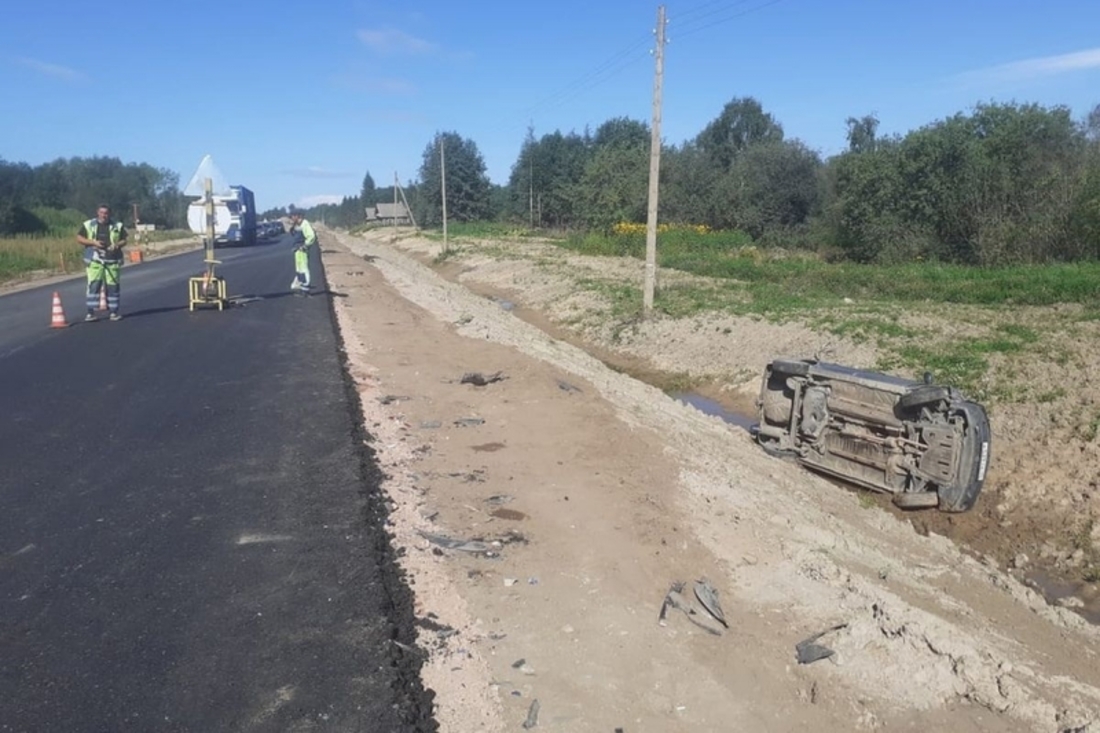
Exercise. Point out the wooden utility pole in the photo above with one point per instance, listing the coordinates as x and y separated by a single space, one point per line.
654 168
443 184
404 198
531 193
395 206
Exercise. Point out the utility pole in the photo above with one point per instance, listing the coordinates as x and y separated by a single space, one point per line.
654 168
395 206
531 193
443 184
405 198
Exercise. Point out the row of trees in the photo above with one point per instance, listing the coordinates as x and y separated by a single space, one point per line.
28 194
1002 183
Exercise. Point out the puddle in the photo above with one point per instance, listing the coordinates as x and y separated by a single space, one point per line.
1054 589
710 407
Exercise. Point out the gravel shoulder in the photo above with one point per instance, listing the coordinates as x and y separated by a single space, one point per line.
594 491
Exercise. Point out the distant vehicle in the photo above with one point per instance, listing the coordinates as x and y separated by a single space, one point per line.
925 444
234 217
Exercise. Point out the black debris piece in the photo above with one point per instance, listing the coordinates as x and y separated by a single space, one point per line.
532 716
708 597
469 422
565 386
808 651
480 380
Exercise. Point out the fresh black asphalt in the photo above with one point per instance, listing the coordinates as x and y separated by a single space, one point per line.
191 533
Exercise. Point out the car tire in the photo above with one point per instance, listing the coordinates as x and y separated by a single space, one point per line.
790 368
924 395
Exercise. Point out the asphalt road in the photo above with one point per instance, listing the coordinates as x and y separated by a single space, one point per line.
190 531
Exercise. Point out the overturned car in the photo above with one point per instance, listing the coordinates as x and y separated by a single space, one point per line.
925 444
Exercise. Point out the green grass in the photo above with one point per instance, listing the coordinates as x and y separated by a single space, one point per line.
26 253
780 283
22 254
1092 430
479 230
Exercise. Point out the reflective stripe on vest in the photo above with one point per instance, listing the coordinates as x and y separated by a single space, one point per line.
91 226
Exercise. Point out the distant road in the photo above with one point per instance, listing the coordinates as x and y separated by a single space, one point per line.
190 538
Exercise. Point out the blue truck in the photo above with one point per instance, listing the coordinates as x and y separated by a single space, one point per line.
242 213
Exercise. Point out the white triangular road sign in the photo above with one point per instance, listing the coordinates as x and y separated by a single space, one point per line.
207 169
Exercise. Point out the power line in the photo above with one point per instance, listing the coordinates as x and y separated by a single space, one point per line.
696 10
595 76
695 25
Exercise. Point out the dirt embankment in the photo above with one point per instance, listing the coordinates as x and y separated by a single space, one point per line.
592 492
1038 514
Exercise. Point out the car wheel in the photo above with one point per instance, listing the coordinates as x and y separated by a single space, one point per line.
925 395
792 368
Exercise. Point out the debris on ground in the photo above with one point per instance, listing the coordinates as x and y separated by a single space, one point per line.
565 386
508 514
808 651
391 398
498 499
457 544
532 716
481 380
469 422
708 596
431 425
676 599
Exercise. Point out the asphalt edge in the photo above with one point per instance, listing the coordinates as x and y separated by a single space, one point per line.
414 703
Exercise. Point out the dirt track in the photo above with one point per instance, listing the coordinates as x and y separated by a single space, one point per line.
605 491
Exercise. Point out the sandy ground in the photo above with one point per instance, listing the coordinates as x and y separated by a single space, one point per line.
587 493
1039 514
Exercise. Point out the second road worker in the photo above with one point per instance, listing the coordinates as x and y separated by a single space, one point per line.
103 241
301 252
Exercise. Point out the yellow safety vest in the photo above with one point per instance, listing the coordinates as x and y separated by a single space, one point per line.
90 227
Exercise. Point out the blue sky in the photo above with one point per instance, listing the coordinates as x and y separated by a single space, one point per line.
297 100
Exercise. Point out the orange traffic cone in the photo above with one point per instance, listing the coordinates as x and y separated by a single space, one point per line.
58 319
103 296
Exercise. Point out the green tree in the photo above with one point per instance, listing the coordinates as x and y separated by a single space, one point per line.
542 187
614 186
742 122
862 133
777 184
467 182
367 193
621 132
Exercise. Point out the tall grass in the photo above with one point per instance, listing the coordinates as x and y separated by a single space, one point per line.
26 253
57 253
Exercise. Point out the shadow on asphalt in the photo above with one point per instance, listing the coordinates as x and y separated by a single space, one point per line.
249 299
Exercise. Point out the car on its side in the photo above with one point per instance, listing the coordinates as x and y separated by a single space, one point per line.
924 443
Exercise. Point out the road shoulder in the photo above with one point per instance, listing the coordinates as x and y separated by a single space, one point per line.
601 492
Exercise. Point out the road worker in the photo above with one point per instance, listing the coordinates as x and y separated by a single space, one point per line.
300 225
103 241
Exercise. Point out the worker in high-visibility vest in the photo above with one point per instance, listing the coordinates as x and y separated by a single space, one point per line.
103 241
301 252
